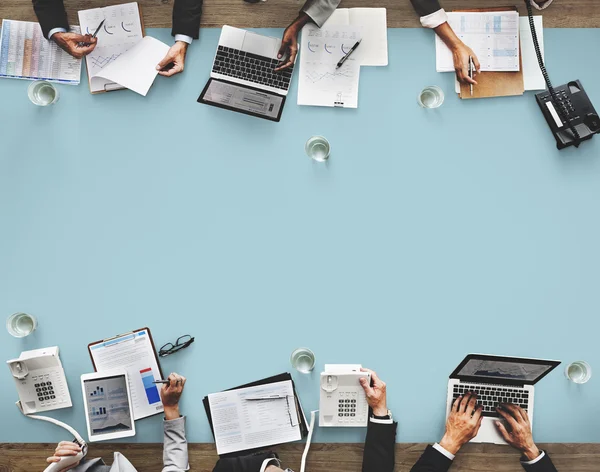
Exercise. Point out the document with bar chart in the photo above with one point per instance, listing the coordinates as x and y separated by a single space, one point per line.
493 37
108 405
26 54
133 352
121 31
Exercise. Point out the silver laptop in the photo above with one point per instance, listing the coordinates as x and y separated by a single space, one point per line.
497 380
243 77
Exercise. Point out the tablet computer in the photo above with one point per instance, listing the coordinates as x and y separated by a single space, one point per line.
108 407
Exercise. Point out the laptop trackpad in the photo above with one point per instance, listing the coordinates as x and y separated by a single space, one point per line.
261 45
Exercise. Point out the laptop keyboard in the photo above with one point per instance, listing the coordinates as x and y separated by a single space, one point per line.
490 396
251 67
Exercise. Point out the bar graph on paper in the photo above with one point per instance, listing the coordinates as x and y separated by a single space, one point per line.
493 37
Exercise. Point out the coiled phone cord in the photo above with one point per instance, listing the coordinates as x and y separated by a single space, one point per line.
553 95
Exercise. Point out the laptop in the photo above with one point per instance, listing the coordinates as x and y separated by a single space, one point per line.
495 380
243 77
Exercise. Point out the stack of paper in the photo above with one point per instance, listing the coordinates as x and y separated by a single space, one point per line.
321 83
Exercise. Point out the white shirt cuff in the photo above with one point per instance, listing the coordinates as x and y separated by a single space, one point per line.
266 463
434 19
378 421
441 450
184 37
56 30
538 458
542 6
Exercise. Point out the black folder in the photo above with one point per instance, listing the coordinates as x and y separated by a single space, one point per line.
269 380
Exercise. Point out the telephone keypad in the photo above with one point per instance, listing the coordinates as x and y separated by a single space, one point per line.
347 407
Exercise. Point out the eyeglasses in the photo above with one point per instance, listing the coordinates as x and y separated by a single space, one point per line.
181 343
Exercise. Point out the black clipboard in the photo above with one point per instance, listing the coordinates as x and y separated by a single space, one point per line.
269 380
112 338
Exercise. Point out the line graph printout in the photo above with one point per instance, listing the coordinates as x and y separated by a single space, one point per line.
493 37
320 82
121 31
26 54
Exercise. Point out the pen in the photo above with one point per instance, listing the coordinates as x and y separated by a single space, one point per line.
95 33
471 66
267 397
343 59
161 382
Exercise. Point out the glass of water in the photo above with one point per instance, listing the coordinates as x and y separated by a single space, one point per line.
431 97
303 360
20 325
42 93
318 148
579 372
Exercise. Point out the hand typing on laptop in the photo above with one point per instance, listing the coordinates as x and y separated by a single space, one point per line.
463 423
517 433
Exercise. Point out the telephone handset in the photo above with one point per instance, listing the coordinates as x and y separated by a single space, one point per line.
40 380
342 399
567 108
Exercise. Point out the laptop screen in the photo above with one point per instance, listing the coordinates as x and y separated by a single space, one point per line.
504 368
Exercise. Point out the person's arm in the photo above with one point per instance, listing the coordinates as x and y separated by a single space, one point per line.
186 27
175 449
434 16
64 449
320 10
462 425
541 4
380 444
517 433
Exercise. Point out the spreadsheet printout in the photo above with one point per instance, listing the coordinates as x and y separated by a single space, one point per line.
493 37
26 54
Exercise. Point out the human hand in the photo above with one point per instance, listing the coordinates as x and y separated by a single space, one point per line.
77 45
289 47
170 395
519 433
65 448
376 394
463 423
174 60
461 53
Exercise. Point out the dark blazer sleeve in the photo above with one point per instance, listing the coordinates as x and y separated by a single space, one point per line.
380 448
426 7
543 465
186 17
51 14
432 461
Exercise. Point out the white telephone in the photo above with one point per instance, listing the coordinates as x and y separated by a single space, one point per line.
40 380
343 401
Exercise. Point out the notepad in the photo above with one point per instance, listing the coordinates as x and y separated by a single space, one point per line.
254 417
493 36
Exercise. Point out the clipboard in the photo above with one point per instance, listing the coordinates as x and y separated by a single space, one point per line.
154 404
495 84
275 378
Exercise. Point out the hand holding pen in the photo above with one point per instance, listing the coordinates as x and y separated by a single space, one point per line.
85 44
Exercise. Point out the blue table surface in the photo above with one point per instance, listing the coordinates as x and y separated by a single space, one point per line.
427 236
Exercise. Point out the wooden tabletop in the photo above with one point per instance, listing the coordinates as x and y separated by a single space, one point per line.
279 13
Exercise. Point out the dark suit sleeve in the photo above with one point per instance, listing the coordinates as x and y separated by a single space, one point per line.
543 465
432 461
51 14
426 7
380 448
186 17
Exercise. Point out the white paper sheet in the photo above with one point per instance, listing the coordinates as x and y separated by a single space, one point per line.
493 37
136 68
532 75
320 82
133 353
373 50
240 423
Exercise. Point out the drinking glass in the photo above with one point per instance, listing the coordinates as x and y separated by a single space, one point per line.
303 360
20 325
579 372
318 148
431 97
42 93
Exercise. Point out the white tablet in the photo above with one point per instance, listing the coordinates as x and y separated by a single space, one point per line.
108 407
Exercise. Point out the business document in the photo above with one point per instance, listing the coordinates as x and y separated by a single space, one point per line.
255 417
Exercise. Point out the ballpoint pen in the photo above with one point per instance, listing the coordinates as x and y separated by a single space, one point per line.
471 67
343 59
167 382
95 33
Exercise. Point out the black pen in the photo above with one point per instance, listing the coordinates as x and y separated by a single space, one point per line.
343 59
95 33
167 382
471 70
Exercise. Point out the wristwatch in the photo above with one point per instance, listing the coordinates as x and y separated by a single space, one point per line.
386 417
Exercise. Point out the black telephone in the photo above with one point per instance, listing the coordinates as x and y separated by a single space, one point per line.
567 108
